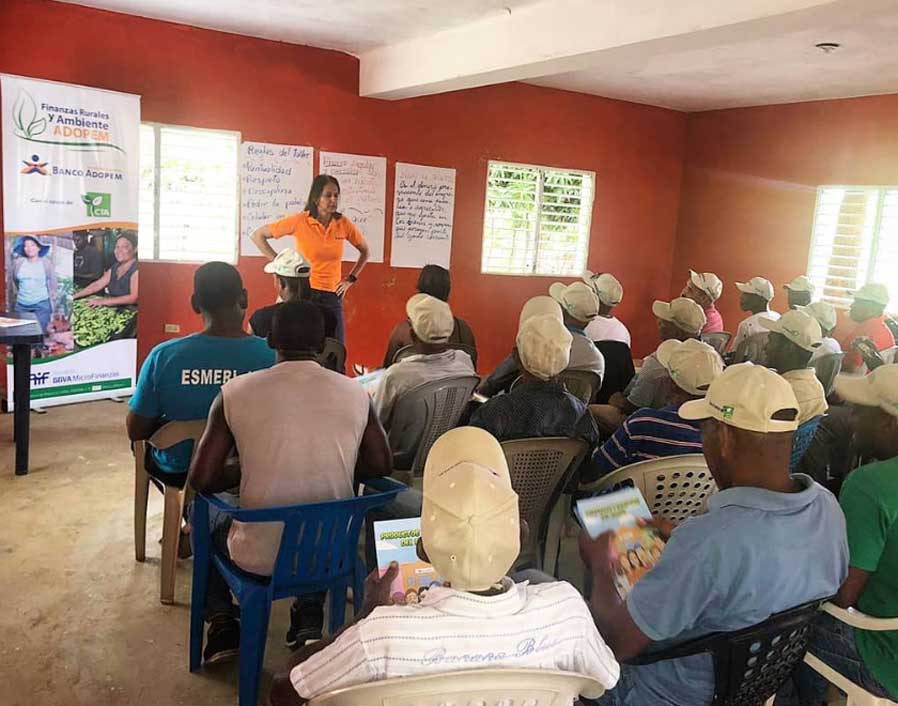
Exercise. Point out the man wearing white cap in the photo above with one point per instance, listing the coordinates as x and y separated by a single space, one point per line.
800 291
869 499
770 541
652 433
470 533
538 405
679 320
291 272
793 339
705 288
825 315
867 314
578 298
432 324
606 326
755 298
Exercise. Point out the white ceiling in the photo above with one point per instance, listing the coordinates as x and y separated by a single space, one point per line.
684 54
353 26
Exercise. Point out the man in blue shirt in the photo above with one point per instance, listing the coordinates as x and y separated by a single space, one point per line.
538 405
653 433
180 378
769 542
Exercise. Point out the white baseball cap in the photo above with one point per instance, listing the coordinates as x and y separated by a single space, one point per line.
289 263
692 365
872 292
759 286
470 523
431 318
606 286
799 327
683 313
577 299
802 283
824 312
878 389
708 282
544 346
746 396
540 306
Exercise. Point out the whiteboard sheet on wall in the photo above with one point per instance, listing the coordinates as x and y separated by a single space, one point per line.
363 195
423 206
274 181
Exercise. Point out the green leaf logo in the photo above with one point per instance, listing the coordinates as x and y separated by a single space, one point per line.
25 117
98 205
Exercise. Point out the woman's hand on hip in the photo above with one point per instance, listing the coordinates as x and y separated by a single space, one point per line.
343 286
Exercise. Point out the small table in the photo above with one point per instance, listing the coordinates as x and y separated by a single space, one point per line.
20 339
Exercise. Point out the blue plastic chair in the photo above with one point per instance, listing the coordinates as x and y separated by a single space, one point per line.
801 441
318 552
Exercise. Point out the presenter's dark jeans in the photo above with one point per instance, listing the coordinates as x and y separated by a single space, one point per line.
333 303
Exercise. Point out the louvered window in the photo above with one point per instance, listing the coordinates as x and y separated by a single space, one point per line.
189 194
855 241
536 220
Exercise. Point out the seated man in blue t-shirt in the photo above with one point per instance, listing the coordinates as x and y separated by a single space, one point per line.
769 542
180 378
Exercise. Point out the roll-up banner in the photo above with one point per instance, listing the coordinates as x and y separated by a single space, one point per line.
70 202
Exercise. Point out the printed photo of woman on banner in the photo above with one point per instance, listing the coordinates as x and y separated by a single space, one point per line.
40 285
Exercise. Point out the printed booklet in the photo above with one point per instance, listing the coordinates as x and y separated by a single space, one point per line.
637 548
396 540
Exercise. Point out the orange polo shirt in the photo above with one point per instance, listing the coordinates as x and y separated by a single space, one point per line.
322 247
874 329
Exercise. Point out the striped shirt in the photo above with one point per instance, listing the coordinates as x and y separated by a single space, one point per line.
546 626
646 434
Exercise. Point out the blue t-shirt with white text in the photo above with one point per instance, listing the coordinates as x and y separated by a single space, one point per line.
181 378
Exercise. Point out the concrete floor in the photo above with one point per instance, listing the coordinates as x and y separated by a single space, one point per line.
80 621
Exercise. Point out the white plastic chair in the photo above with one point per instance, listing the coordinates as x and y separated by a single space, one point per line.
752 349
718 340
675 487
481 687
175 500
856 695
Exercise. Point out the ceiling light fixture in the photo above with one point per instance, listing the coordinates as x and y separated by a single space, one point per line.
828 47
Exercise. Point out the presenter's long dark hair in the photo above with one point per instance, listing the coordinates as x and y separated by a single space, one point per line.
318 184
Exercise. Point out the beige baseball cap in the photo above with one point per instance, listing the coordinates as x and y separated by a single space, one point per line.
289 263
577 299
878 389
544 346
757 285
470 524
540 306
873 292
431 318
802 283
692 365
708 282
682 312
606 286
799 327
824 313
746 396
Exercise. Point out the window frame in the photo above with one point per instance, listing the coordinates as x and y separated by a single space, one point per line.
157 154
539 203
881 192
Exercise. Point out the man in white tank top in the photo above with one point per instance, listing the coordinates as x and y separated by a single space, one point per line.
303 434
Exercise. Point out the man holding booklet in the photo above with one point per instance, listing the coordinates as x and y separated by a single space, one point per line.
769 542
470 533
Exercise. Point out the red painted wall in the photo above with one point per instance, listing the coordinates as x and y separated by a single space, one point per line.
750 181
283 93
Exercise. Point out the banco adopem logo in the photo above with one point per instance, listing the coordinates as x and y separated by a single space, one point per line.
98 205
34 166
